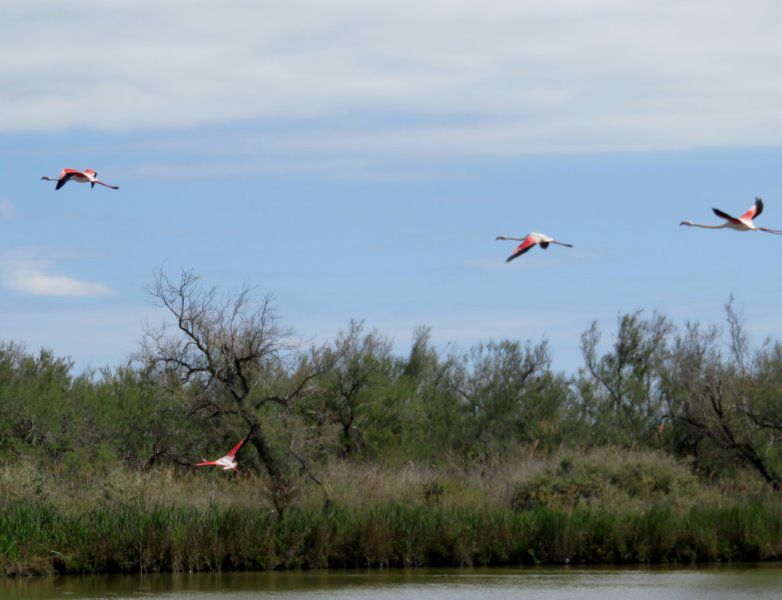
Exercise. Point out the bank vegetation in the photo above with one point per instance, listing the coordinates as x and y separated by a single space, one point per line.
665 446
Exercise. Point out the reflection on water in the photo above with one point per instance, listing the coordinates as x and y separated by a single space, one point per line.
751 581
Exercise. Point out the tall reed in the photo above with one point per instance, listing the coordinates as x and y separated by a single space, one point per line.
607 507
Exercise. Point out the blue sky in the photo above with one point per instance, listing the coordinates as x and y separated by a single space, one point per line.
359 161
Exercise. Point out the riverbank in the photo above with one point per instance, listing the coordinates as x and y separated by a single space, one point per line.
609 507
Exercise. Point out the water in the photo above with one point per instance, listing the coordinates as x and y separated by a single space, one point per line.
752 581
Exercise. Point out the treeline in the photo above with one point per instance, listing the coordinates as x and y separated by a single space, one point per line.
224 366
666 445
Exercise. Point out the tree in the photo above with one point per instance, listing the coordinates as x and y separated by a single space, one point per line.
141 416
234 356
359 362
732 403
37 401
618 389
502 385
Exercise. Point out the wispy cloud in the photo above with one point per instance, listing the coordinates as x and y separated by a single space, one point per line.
471 78
234 165
498 264
537 259
7 212
487 263
31 275
26 279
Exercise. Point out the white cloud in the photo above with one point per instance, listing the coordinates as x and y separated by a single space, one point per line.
458 77
26 280
6 210
25 275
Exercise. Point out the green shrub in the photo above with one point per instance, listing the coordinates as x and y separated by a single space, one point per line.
604 475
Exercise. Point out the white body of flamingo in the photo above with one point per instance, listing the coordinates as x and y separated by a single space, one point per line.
528 242
85 176
227 462
742 223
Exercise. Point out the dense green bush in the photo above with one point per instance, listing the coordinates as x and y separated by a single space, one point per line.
604 477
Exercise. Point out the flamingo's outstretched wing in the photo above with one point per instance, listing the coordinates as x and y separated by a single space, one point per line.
66 176
238 446
525 246
726 216
754 211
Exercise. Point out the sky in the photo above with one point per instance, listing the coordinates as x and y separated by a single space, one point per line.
357 159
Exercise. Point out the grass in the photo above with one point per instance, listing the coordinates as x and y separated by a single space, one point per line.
607 507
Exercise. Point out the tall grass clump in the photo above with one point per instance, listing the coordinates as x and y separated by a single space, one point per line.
605 507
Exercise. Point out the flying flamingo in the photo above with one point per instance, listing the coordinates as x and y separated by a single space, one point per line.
743 223
529 241
85 176
228 462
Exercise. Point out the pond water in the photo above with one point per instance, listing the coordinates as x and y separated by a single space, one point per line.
750 581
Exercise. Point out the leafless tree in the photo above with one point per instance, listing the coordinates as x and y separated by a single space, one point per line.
232 352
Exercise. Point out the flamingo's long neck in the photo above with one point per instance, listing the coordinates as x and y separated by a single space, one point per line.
706 226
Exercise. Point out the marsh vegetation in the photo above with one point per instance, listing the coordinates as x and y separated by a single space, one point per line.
664 447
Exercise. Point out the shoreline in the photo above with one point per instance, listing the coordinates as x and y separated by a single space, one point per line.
385 573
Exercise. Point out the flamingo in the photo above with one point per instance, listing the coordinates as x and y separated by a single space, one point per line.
228 462
742 223
85 176
529 241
